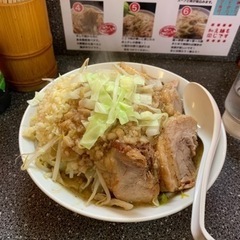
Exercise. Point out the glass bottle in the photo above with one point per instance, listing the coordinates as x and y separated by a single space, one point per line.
231 116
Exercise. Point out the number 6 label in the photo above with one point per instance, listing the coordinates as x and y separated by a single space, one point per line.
186 11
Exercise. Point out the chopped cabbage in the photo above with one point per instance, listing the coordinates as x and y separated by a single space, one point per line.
116 96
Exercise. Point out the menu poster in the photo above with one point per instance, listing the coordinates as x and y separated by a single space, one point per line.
199 27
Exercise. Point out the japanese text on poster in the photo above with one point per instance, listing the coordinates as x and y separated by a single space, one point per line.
199 27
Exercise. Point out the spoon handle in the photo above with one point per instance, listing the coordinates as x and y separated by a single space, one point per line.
195 218
210 133
205 176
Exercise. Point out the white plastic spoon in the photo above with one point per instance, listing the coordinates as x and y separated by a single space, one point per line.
199 104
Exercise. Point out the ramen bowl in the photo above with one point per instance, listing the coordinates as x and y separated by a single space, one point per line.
69 200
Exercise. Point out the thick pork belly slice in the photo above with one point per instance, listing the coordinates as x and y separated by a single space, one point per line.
176 148
131 173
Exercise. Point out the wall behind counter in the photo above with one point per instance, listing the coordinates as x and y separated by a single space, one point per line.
56 24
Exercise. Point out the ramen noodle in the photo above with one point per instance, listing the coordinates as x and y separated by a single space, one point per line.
192 25
139 24
87 22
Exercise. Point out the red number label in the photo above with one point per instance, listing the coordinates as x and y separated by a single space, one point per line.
77 7
186 11
134 7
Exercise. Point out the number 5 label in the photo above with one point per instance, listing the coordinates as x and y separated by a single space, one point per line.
134 7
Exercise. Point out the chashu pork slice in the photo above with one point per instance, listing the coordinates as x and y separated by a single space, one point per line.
131 173
169 99
176 148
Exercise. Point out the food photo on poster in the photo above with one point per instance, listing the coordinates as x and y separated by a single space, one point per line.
87 17
191 21
138 19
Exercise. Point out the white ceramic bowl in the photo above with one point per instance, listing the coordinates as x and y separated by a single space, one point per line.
144 213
